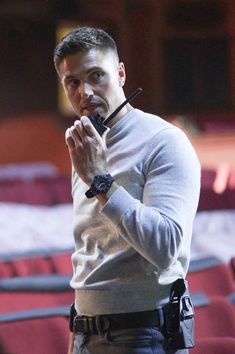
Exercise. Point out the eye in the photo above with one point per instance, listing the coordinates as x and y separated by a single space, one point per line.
97 75
72 84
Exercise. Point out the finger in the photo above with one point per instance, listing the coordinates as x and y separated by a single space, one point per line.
80 129
75 136
68 139
88 126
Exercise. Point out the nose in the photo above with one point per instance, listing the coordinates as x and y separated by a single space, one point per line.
85 90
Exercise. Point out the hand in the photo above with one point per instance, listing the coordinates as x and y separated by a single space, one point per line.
87 149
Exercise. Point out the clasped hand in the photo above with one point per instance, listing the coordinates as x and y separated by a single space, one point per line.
87 149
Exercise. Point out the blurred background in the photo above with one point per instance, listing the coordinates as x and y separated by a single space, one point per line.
182 54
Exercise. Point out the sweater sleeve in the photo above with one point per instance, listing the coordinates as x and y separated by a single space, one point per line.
158 226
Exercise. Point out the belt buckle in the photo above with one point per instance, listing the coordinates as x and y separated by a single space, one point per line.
90 325
81 324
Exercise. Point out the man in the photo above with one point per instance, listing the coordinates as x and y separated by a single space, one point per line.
135 191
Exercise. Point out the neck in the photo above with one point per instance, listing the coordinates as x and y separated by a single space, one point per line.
124 104
126 109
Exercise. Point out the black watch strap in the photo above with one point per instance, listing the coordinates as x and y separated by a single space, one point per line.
100 185
89 193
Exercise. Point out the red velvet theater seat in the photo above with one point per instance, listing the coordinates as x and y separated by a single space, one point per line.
37 191
36 331
211 276
221 345
214 317
51 262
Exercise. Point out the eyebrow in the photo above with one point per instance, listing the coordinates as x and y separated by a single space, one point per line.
93 68
69 77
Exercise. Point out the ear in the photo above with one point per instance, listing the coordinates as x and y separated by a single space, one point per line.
121 74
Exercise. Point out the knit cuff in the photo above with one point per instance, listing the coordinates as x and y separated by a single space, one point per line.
118 204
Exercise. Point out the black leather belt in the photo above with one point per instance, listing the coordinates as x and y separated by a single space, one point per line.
102 323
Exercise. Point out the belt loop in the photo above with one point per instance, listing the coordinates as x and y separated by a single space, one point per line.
161 317
91 326
102 324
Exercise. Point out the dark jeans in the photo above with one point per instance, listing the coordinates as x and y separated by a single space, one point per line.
128 341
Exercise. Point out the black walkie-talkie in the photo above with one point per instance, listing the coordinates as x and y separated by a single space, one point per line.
100 123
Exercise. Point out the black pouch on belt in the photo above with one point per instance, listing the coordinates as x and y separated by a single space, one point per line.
179 317
72 315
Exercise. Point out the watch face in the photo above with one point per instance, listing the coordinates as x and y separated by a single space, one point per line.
102 183
102 187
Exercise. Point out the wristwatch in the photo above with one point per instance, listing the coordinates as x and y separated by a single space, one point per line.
100 185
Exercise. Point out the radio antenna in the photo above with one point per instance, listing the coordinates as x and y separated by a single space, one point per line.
130 98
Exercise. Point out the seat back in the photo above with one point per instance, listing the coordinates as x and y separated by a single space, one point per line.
38 331
25 293
214 317
210 276
53 262
221 345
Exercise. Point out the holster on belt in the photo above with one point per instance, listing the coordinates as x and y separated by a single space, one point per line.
72 315
179 317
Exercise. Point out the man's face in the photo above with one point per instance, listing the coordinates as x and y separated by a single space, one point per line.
93 82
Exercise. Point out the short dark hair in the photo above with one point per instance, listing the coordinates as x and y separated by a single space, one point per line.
83 39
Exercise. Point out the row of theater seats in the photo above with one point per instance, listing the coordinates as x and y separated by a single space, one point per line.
207 274
34 288
31 263
37 301
38 331
57 190
35 294
46 191
35 298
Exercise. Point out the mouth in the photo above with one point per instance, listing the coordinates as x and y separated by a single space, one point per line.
91 108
